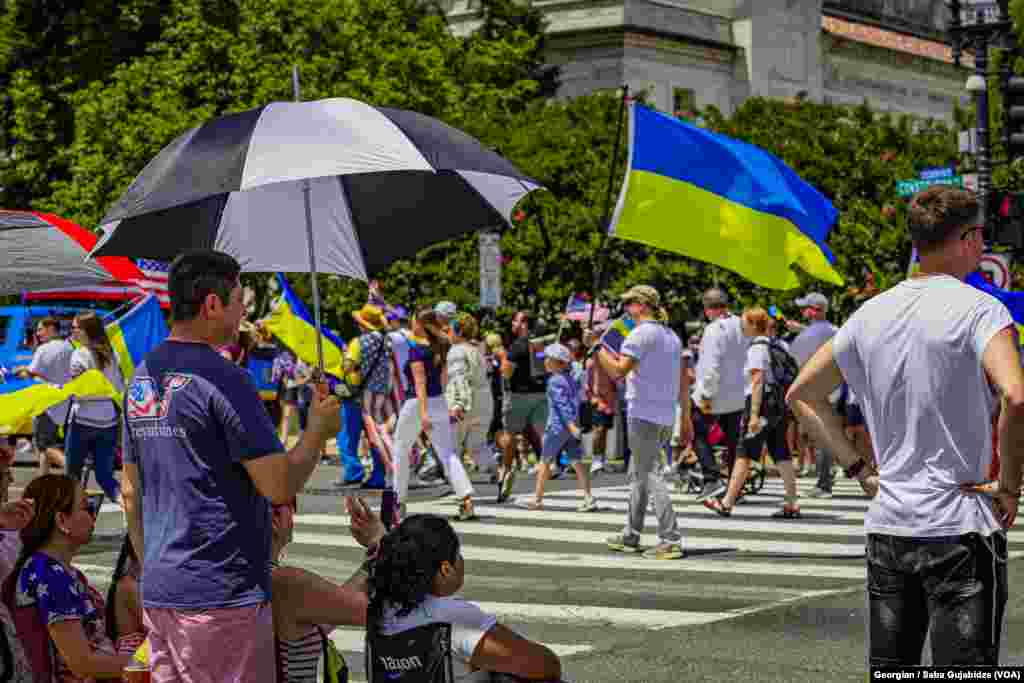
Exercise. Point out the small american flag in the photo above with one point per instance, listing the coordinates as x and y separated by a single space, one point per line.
155 279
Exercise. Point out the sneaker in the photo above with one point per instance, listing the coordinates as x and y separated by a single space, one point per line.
716 505
534 470
596 466
505 484
557 472
665 551
466 512
712 489
432 474
589 504
622 544
819 493
787 512
530 504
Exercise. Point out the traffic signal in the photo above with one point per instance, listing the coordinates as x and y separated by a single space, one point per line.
1013 107
1009 218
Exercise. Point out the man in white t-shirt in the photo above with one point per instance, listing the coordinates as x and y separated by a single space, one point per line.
718 390
51 363
812 337
923 359
651 361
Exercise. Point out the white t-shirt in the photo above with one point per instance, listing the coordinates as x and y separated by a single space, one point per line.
52 362
912 356
469 625
723 351
811 339
652 387
95 412
758 358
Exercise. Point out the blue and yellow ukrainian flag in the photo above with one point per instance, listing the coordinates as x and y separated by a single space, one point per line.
132 335
719 200
1014 301
292 324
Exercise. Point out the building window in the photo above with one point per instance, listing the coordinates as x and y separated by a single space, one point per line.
684 102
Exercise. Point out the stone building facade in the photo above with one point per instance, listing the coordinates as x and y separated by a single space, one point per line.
694 53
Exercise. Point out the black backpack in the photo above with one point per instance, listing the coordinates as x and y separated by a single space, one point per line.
784 372
419 655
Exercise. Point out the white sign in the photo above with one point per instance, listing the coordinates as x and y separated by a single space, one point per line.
973 12
490 270
969 141
996 269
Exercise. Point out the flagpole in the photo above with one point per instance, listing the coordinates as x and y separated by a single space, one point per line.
309 241
601 259
561 324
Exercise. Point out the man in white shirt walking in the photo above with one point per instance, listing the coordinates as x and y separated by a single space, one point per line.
718 392
812 337
923 359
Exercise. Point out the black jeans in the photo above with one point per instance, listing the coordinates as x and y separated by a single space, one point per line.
955 585
702 424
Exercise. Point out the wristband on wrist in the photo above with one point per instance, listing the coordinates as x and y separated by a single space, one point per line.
855 469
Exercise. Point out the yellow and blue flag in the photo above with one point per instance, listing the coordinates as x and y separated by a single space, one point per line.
715 199
291 323
136 333
132 336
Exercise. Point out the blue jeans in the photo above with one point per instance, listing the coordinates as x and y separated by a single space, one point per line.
101 442
348 447
955 585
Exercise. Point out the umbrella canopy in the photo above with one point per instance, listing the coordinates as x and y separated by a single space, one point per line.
42 251
382 183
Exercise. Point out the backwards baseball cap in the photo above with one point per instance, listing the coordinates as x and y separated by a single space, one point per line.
814 300
558 352
446 309
642 294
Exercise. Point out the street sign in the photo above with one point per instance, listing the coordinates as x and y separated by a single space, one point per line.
996 269
490 270
969 141
979 12
936 173
906 188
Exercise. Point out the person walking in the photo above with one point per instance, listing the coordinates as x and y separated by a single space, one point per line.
718 392
526 409
922 358
469 393
651 361
812 337
51 362
92 424
203 463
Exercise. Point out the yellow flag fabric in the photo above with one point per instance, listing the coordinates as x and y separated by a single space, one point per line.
29 399
292 324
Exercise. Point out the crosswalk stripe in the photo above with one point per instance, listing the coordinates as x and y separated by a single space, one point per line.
353 640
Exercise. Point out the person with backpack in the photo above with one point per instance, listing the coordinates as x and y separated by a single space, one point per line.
768 373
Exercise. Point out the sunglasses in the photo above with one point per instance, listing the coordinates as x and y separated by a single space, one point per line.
93 503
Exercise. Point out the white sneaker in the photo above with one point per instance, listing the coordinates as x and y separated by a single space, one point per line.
819 493
589 504
596 465
534 470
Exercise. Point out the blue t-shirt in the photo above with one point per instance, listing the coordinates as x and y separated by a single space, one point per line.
193 419
420 351
563 401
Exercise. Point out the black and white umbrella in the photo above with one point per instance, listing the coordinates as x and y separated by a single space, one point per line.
382 184
370 185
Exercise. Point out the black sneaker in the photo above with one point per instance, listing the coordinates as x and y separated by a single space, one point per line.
432 474
712 489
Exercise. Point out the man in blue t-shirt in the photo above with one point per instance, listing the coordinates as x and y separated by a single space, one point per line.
203 464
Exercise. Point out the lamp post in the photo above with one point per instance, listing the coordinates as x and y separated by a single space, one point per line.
979 25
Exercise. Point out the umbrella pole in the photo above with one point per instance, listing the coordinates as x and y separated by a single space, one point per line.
309 241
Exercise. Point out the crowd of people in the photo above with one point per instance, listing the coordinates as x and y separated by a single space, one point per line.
901 398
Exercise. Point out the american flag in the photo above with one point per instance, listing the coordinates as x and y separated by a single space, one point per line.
155 279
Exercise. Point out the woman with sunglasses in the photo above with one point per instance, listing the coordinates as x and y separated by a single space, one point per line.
44 580
93 422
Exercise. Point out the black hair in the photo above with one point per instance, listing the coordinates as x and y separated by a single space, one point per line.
408 560
120 571
196 274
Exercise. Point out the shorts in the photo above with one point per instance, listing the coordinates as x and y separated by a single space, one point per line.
603 419
526 410
188 646
555 442
46 433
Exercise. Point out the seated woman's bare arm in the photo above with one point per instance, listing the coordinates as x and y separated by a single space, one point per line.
505 651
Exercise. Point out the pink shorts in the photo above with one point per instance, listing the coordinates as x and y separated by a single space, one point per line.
212 646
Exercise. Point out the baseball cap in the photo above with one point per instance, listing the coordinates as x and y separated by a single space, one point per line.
558 352
642 294
446 309
814 299
397 313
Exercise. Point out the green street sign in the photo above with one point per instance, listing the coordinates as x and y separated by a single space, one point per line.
906 188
